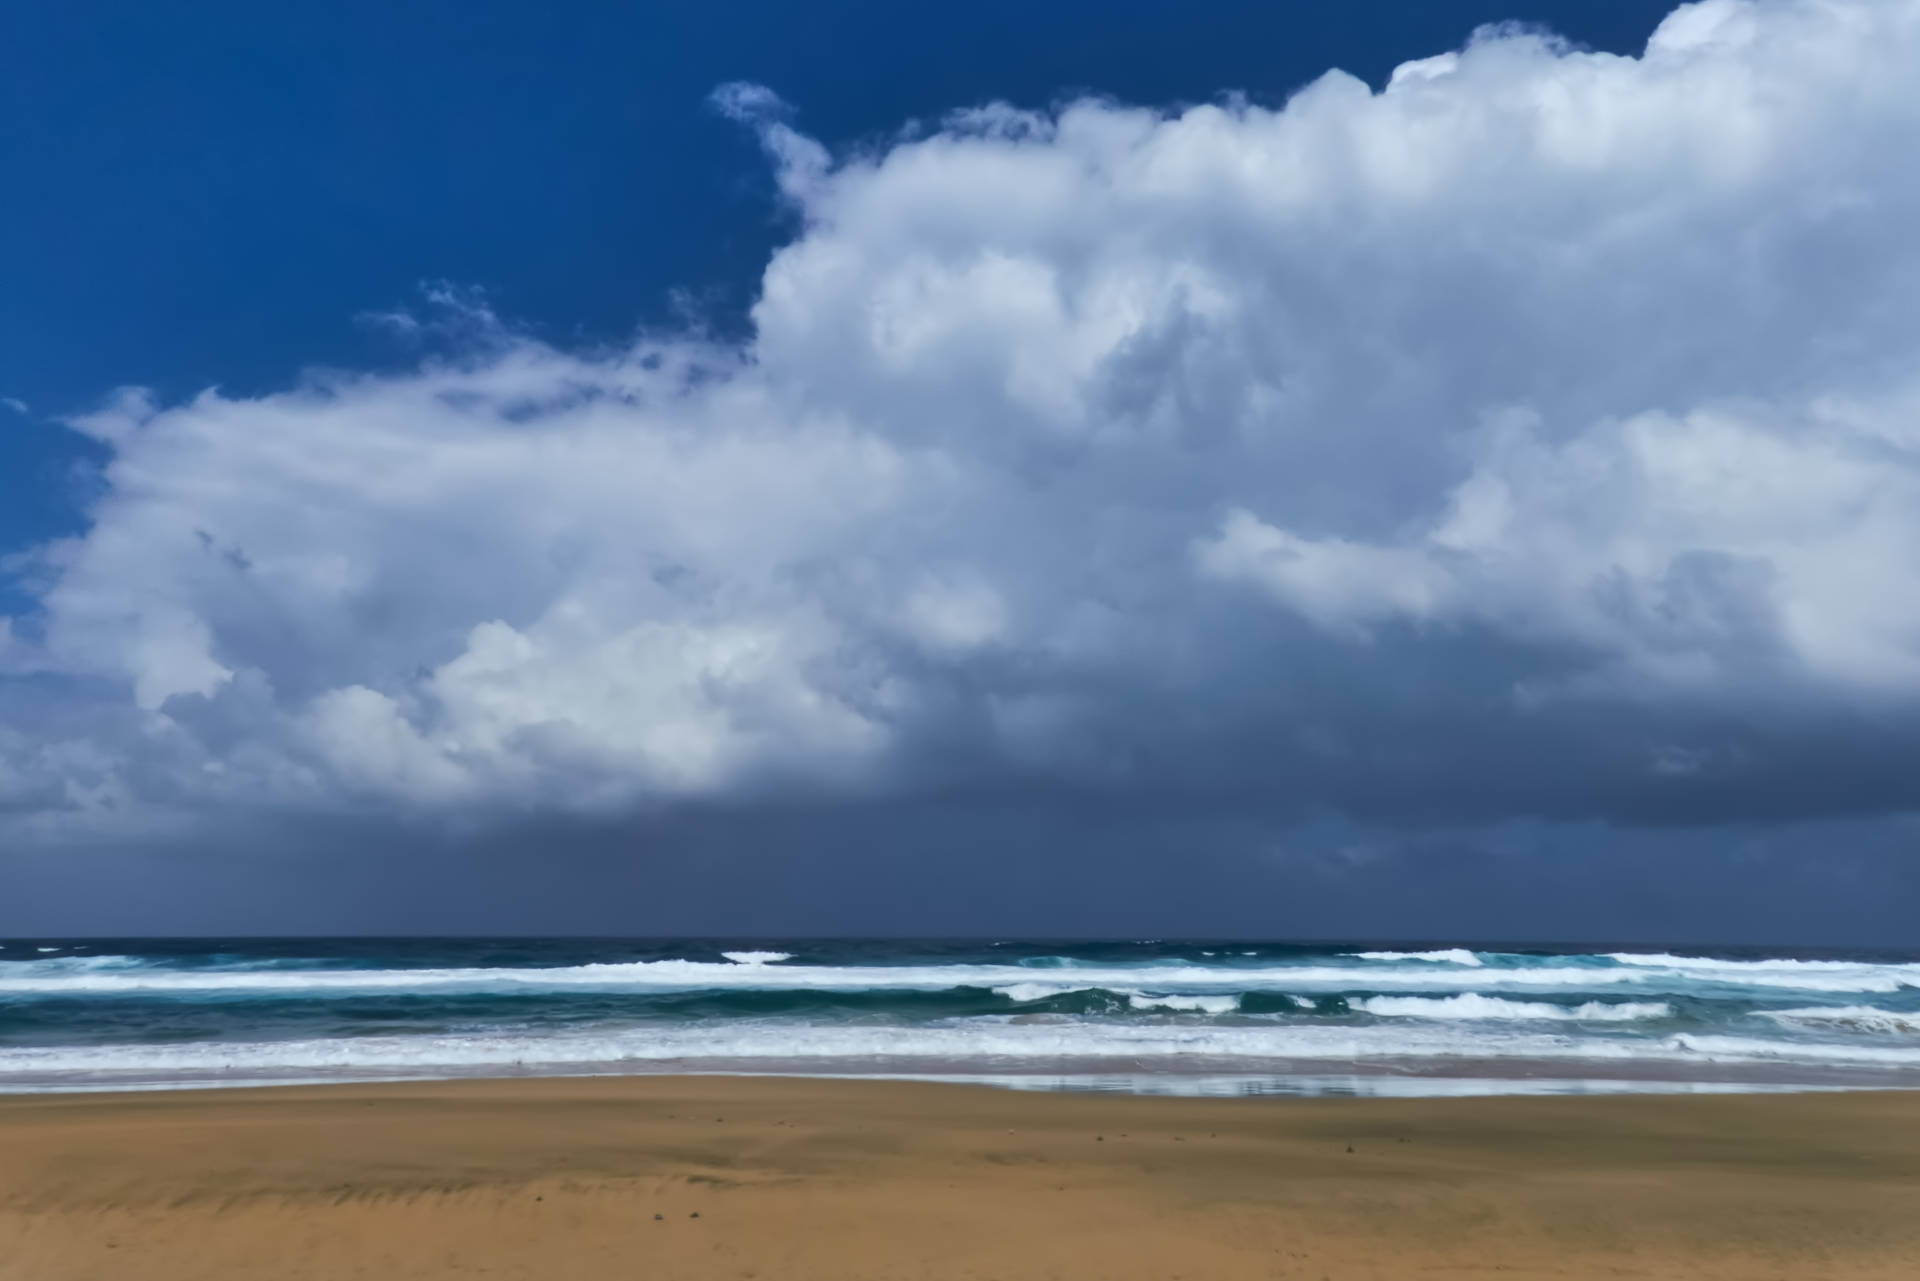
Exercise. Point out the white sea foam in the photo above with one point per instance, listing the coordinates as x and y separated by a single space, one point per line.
1197 1004
1811 976
1024 992
124 975
1471 1005
74 964
1448 955
757 958
1667 960
1849 1018
1728 1049
996 1044
1194 1004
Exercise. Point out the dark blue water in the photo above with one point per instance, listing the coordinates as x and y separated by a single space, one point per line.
1143 1014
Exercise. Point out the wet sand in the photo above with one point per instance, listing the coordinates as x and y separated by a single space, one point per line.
792 1180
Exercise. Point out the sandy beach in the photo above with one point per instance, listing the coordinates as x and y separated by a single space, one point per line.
791 1180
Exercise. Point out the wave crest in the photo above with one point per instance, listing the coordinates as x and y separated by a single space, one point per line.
1850 1018
1445 955
1188 1004
1472 1005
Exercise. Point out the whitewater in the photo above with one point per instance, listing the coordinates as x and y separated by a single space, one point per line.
1163 1016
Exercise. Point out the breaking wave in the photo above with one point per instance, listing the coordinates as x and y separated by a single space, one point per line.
1447 955
1473 1006
1851 1018
768 971
235 1011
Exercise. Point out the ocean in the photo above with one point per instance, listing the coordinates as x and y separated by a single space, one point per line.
1151 1016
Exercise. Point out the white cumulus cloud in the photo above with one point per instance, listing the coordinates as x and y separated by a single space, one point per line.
1270 449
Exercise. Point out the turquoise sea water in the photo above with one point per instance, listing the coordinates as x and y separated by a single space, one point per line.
1151 1015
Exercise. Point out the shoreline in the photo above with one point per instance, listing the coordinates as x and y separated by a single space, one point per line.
1300 1078
1169 1085
796 1179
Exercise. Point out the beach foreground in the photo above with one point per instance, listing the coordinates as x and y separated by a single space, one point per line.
789 1180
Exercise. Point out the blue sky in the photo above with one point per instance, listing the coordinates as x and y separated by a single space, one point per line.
1437 478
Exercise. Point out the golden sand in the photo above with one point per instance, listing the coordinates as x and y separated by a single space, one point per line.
789 1180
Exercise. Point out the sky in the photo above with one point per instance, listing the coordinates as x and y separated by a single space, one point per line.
1382 470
